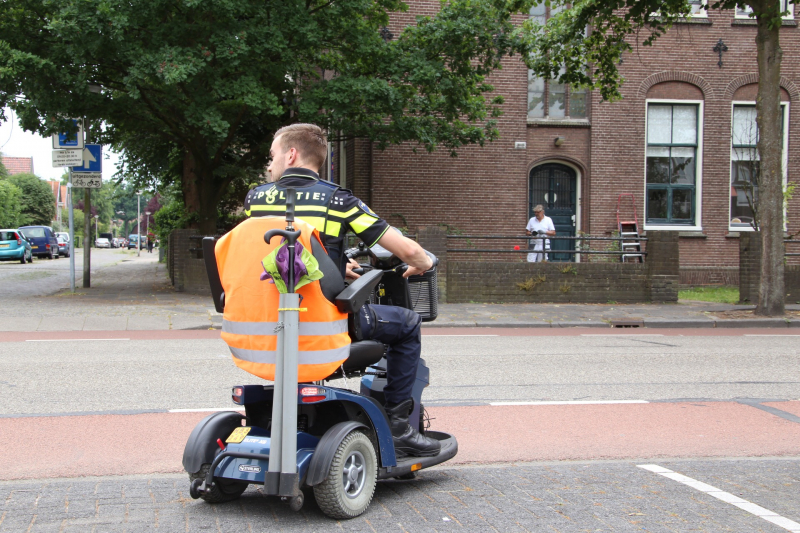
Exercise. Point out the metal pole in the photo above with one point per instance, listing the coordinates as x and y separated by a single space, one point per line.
71 235
139 224
87 237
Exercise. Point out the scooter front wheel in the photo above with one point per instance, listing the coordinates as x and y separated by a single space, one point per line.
350 485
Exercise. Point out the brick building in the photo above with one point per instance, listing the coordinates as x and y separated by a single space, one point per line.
18 165
680 142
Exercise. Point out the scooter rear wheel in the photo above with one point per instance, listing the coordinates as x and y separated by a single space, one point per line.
224 490
350 485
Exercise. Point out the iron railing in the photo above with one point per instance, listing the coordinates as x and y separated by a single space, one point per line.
526 250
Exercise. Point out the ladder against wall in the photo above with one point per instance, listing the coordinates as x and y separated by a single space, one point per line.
628 226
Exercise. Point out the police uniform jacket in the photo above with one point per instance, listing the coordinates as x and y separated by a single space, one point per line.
331 209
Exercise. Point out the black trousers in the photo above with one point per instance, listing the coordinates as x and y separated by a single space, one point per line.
399 328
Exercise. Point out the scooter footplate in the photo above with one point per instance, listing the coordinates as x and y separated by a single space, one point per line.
406 465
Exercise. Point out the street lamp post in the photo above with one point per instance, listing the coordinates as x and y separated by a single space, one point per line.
147 229
139 223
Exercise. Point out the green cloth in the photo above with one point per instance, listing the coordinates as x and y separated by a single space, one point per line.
312 267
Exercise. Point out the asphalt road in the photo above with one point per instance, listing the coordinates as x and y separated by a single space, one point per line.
725 405
63 376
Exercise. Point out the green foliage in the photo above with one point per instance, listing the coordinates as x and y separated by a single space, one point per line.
10 205
37 204
171 216
192 91
3 170
529 284
728 294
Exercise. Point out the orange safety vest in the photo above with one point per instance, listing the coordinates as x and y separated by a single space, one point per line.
250 320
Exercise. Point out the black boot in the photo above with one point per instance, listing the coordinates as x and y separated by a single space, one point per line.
407 440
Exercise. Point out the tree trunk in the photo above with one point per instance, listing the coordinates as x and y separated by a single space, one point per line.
771 294
199 195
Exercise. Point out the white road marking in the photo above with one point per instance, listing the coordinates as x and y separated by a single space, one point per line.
572 402
624 335
67 340
435 335
727 497
775 335
206 410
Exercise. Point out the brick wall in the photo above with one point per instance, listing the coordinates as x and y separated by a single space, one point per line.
656 280
487 187
186 267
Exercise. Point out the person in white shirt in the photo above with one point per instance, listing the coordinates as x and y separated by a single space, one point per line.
539 225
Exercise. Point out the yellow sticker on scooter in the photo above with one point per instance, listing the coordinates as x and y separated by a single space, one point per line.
238 435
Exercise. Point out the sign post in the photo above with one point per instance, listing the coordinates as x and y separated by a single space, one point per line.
88 176
71 237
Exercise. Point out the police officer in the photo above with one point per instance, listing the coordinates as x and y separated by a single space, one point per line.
298 152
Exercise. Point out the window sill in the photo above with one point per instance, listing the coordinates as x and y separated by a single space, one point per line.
692 235
680 229
753 22
695 20
560 122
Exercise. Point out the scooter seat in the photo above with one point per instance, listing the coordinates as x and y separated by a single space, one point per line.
363 354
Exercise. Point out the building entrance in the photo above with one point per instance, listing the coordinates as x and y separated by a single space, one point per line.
555 187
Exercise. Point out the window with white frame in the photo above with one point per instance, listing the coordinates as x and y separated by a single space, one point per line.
698 9
743 11
745 165
671 167
548 98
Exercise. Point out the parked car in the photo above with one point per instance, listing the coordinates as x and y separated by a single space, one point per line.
63 234
43 241
116 242
13 246
133 242
102 242
63 245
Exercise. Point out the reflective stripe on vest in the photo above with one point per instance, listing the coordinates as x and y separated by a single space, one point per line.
268 357
268 328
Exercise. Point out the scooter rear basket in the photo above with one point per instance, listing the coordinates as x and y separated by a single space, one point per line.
424 292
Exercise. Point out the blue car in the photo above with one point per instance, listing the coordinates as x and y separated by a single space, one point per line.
43 241
13 247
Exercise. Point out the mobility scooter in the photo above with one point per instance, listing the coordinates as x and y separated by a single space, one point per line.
296 436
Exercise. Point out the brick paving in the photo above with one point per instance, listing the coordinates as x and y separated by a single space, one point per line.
566 497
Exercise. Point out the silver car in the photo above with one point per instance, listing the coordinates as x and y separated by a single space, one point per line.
102 242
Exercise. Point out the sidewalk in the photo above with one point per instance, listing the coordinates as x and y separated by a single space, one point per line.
135 294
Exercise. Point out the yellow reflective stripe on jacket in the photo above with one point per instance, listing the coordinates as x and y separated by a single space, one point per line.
307 357
268 328
341 214
362 223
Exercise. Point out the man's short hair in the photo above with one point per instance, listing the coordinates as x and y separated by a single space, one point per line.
538 209
308 139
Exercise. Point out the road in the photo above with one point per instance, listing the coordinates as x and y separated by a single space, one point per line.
721 409
47 276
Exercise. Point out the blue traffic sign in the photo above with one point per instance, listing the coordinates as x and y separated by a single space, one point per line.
92 159
65 141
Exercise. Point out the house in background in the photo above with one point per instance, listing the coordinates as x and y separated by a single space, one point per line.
680 144
18 165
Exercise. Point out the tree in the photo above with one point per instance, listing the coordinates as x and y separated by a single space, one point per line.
193 91
3 170
564 42
10 200
37 203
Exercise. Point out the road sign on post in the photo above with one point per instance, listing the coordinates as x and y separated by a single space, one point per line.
92 159
89 175
62 141
67 158
87 180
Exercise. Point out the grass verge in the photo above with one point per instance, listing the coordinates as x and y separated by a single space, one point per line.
726 294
